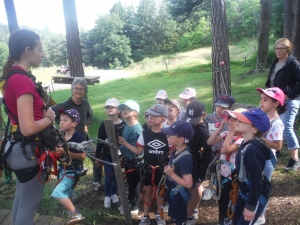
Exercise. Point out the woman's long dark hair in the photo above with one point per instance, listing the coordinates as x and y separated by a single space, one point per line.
18 42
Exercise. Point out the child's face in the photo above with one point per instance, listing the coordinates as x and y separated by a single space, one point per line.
66 123
155 120
185 102
267 104
128 113
159 101
172 111
174 140
110 110
243 128
220 110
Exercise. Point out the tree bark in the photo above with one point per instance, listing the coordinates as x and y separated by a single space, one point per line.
296 38
11 16
221 81
288 19
73 41
263 36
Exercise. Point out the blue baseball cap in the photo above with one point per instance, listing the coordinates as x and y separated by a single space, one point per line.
130 104
72 113
180 128
254 116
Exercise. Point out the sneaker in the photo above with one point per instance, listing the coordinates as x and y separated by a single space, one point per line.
160 221
195 214
134 212
114 199
96 186
75 219
190 221
207 194
107 202
292 165
166 208
261 220
145 221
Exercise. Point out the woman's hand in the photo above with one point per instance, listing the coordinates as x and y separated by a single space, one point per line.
60 150
49 113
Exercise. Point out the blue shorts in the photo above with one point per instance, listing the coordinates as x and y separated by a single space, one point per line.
64 188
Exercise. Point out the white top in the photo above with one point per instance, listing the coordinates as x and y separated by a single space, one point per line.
276 132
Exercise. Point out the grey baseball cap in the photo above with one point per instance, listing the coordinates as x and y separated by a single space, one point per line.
158 110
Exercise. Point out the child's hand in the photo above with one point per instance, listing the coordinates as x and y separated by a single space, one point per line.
121 140
60 150
248 215
169 170
232 125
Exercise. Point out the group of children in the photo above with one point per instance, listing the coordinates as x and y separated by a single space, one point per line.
179 144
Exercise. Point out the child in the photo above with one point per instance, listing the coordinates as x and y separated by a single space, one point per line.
132 130
224 102
146 124
161 96
253 184
201 154
69 175
226 163
187 96
156 150
179 170
103 152
173 107
272 103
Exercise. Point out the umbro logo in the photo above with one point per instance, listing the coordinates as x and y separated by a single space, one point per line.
156 144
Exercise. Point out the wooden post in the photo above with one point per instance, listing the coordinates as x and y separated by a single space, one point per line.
111 137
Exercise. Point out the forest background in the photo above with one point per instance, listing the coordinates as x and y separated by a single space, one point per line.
129 34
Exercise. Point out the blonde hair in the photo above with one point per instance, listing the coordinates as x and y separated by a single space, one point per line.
286 42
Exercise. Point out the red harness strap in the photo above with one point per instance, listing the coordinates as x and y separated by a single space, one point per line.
153 168
47 161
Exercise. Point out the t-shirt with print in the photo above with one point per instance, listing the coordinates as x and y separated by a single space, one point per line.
276 132
131 135
213 123
225 169
156 147
18 85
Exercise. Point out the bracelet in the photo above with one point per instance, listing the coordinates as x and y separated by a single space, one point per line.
49 117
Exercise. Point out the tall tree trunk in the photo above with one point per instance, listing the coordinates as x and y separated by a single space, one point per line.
11 16
288 18
263 36
221 81
296 38
73 41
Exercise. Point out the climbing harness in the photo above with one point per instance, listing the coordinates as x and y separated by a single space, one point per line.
153 169
233 196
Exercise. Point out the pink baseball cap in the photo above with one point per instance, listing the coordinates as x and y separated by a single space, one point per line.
188 93
162 94
174 102
274 92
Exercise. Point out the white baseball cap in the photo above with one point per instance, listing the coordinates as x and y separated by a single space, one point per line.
188 93
162 94
112 102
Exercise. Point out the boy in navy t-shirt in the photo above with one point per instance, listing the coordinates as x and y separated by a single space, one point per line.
179 170
69 175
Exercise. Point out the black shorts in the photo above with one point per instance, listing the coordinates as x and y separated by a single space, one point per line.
147 177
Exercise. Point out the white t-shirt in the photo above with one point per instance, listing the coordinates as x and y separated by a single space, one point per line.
276 132
225 169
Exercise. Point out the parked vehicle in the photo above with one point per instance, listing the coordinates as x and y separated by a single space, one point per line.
63 70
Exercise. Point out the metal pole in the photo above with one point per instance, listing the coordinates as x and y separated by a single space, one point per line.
111 136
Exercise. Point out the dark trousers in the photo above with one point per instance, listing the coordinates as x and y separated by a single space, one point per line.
238 215
133 181
223 201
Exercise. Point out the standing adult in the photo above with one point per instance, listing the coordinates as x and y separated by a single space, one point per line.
28 117
79 89
285 74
